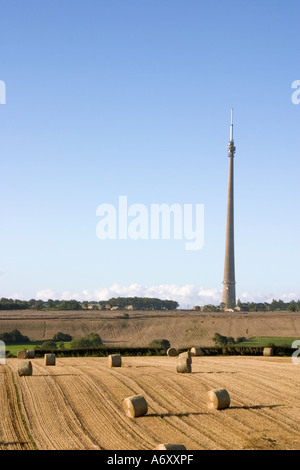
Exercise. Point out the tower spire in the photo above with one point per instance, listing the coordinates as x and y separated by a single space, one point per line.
229 298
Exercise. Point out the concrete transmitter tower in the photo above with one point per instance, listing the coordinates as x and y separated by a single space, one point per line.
229 296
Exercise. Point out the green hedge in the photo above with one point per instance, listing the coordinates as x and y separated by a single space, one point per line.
206 351
229 351
244 351
101 352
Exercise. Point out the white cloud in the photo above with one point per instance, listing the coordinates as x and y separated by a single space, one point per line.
286 297
186 295
45 294
17 296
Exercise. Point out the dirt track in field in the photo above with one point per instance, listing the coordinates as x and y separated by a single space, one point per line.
77 404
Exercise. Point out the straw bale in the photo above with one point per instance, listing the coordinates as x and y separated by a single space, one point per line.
114 360
184 363
196 351
49 359
218 399
135 406
172 352
24 368
22 354
268 352
30 353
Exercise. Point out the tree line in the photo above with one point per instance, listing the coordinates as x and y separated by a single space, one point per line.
275 305
15 304
141 303
292 306
137 303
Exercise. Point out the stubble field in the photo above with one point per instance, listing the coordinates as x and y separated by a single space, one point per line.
183 329
77 404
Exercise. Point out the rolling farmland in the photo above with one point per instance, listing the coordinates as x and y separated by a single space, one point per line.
77 404
183 329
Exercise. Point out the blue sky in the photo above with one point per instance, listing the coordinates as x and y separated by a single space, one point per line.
106 98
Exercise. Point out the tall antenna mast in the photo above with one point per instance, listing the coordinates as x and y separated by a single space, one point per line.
229 298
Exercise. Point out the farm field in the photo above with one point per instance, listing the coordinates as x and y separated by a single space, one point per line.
77 404
183 329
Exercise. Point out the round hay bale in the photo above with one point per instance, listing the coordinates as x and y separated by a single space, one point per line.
49 359
170 447
30 353
172 352
114 360
196 351
184 363
22 354
218 399
24 368
135 406
268 352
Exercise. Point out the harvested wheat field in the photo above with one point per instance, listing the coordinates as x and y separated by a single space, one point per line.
183 329
77 404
